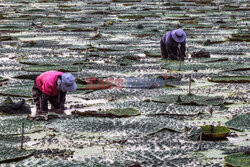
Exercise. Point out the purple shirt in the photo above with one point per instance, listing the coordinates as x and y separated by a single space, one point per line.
170 46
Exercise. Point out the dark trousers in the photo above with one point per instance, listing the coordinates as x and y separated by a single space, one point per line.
164 52
174 54
41 99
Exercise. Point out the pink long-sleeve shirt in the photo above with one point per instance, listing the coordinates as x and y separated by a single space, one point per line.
47 82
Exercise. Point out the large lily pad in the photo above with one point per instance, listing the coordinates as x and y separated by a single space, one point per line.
237 160
179 110
230 79
212 60
145 33
215 132
12 125
78 29
116 112
44 68
53 61
128 60
189 100
39 43
230 66
137 16
240 122
7 38
97 86
17 91
12 27
240 37
152 54
221 65
2 79
27 76
199 25
184 66
11 154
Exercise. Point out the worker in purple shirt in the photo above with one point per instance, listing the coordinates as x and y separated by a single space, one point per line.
170 43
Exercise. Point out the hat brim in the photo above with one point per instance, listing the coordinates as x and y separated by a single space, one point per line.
178 39
71 88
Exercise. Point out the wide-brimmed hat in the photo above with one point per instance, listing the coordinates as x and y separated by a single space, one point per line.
178 35
68 83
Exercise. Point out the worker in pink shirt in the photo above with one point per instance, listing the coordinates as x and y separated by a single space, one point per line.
52 86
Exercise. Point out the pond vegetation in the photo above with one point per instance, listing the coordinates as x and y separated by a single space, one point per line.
131 108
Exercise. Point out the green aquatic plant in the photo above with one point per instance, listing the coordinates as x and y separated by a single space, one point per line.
11 125
44 68
230 79
237 160
185 66
39 43
53 61
11 154
95 86
214 132
241 37
116 112
189 100
152 54
7 38
240 122
24 90
2 79
26 76
78 29
137 16
211 60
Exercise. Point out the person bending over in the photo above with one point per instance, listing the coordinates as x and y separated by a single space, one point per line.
52 86
173 45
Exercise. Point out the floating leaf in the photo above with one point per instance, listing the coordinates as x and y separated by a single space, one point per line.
27 76
117 112
7 38
212 60
240 122
11 154
220 65
244 36
189 100
136 16
2 79
44 68
215 132
230 79
179 110
184 66
17 91
152 54
12 125
54 61
78 29
237 160
96 86
39 43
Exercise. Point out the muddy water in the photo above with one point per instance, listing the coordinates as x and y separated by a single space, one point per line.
111 31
